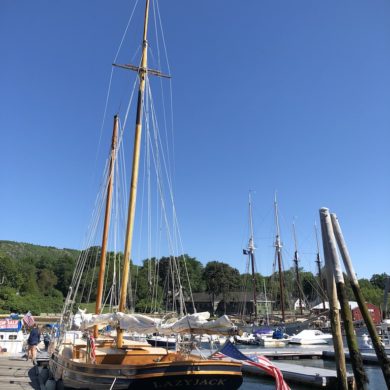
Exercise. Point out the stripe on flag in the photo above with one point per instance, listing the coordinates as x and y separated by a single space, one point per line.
261 362
28 319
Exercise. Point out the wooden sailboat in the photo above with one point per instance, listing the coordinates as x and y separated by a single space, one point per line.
107 363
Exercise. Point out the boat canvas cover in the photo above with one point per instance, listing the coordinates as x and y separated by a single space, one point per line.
191 323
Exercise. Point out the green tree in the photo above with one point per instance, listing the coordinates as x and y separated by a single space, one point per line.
9 273
220 278
63 270
379 280
370 292
47 281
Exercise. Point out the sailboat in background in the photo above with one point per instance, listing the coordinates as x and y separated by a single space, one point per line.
278 259
80 360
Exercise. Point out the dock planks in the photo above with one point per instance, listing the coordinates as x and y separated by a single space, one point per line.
17 374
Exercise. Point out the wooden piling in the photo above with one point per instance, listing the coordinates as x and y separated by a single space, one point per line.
333 310
346 315
379 349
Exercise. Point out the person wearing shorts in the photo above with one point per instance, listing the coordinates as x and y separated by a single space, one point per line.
33 340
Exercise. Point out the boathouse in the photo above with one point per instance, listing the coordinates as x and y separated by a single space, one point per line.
374 311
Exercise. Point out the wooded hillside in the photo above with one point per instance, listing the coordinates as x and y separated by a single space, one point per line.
37 278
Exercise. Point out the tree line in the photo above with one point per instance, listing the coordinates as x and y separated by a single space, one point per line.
37 278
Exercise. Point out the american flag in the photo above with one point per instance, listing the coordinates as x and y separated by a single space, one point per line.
229 350
28 319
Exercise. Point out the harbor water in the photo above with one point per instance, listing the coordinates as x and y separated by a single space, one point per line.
252 382
374 374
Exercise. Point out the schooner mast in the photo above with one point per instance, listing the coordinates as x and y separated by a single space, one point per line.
251 253
278 255
296 262
318 261
142 71
107 217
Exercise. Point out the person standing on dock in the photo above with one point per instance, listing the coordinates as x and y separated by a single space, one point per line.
33 340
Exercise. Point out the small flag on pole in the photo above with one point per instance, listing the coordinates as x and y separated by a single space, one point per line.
229 350
28 319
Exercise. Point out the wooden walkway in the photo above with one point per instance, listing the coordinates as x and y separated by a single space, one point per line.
17 374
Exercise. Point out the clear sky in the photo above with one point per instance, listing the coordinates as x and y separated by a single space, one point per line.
291 96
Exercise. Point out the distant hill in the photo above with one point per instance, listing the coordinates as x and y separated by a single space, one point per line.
20 250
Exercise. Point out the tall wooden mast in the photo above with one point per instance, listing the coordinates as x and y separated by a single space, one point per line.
318 261
142 70
278 249
296 262
251 253
106 228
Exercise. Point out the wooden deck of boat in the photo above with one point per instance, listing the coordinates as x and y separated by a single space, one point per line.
17 374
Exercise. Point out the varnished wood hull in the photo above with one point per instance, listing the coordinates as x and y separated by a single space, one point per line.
197 375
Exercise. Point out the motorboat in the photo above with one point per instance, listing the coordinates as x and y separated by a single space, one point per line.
311 337
246 339
277 339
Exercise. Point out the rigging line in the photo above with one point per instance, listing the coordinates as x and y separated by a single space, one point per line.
149 199
116 226
123 193
144 184
125 32
161 81
110 83
168 232
93 229
158 142
104 195
81 264
93 274
136 79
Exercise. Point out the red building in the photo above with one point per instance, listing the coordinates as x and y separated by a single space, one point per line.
374 311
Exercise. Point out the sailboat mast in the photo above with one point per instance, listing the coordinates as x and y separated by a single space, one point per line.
251 250
278 248
296 261
318 261
106 228
134 176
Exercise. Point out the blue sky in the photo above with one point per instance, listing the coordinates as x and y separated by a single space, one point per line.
290 96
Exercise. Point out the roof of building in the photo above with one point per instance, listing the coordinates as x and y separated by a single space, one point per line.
352 305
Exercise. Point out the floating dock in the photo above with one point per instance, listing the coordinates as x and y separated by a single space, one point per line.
368 357
304 375
18 374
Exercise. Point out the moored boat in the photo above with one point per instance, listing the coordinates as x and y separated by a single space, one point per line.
83 359
11 337
149 367
311 337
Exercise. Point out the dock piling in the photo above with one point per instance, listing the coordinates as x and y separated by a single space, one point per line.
378 347
346 315
333 310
